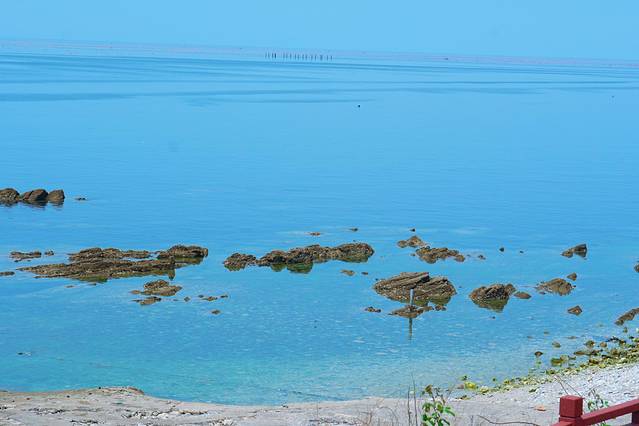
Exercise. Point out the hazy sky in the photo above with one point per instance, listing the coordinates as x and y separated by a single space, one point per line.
564 28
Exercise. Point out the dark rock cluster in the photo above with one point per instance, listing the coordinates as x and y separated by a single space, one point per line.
301 259
580 250
433 254
425 288
555 286
9 196
493 297
413 241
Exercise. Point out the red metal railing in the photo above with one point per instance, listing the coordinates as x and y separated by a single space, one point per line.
571 412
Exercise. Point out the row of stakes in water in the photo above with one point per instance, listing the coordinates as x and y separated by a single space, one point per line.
299 56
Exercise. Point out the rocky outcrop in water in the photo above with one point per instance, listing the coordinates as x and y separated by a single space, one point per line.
160 288
18 256
493 297
628 316
9 196
555 286
184 254
579 250
99 265
6 273
413 241
301 259
56 196
238 261
373 309
96 253
572 277
433 254
522 295
637 267
425 288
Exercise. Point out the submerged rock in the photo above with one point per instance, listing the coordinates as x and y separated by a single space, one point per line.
572 277
522 295
148 301
49 253
238 261
6 273
433 254
9 196
493 297
348 272
19 256
555 286
99 265
301 259
373 309
314 234
413 241
628 316
216 312
579 250
353 229
160 288
425 288
637 267
575 310
411 311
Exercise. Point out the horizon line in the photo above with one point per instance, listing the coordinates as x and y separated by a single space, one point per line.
183 49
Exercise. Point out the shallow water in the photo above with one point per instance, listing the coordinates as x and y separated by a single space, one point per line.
250 154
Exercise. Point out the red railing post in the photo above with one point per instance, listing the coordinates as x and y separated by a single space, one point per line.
635 418
571 408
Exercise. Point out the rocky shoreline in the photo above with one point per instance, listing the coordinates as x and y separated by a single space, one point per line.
532 404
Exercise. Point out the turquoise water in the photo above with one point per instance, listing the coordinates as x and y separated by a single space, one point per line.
243 153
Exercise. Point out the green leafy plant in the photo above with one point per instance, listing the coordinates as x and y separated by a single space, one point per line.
596 402
435 410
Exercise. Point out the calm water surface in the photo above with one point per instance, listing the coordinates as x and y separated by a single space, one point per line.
250 154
